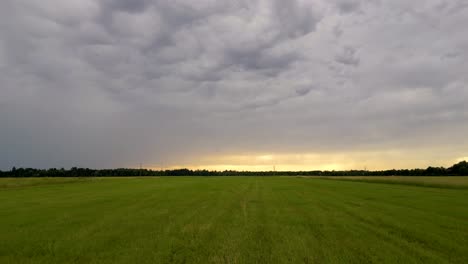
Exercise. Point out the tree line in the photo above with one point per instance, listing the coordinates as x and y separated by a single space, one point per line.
459 169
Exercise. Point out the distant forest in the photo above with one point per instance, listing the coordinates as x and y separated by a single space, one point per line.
459 169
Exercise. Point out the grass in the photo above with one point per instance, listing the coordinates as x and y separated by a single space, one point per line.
23 182
452 182
229 220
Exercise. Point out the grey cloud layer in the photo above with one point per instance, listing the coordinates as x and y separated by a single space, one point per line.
114 82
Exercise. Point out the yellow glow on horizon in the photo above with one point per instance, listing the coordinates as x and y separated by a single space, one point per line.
278 167
264 157
356 160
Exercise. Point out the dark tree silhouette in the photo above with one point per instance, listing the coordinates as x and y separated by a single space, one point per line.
459 169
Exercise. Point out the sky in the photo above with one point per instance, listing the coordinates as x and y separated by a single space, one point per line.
233 84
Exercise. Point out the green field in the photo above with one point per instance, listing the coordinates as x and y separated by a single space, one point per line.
453 182
230 220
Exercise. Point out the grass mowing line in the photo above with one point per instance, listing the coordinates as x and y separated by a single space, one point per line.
233 220
397 217
353 226
12 183
403 194
400 182
218 220
15 183
360 222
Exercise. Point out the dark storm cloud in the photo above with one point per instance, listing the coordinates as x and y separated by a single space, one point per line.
347 56
128 6
114 83
347 6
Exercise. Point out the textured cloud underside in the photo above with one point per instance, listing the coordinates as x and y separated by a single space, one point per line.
115 82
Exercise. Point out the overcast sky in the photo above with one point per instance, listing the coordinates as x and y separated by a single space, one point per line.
246 84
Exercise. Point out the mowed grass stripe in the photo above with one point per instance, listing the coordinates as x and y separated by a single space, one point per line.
231 220
341 230
450 182
382 229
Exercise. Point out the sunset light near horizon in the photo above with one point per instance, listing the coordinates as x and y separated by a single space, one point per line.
244 85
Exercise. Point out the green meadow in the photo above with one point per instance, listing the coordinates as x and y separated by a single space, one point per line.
454 182
232 220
